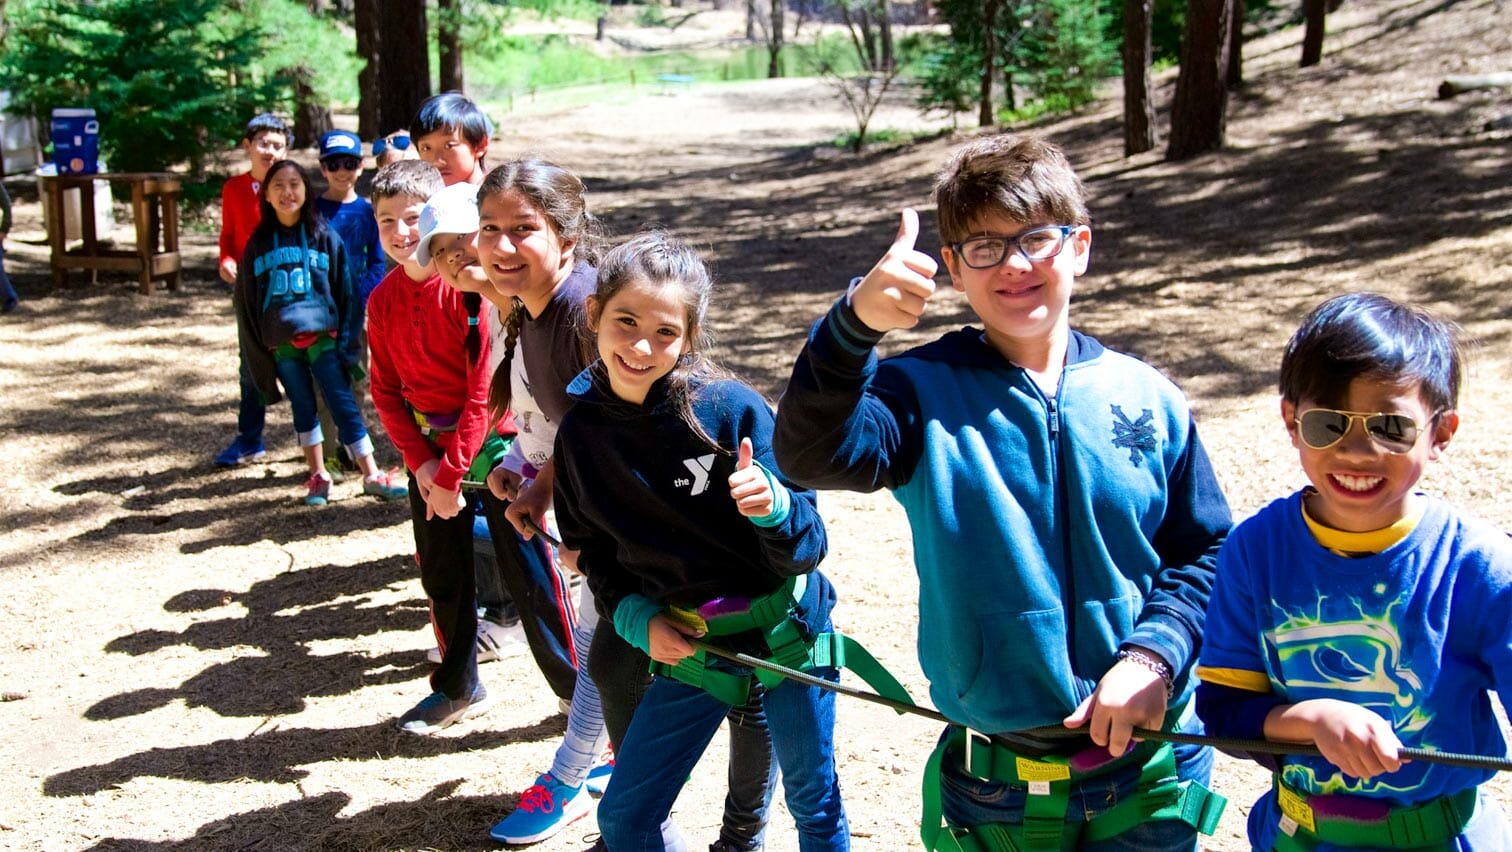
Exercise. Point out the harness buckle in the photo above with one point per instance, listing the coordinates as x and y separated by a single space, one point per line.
972 735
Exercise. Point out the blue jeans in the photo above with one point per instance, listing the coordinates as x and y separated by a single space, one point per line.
968 801
619 670
675 722
299 377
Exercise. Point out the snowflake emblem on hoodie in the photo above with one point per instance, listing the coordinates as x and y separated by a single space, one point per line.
1135 435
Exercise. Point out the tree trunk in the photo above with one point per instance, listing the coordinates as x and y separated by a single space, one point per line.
365 16
750 20
986 117
870 60
1235 76
1197 114
1315 11
449 44
404 61
312 119
1140 133
884 24
774 41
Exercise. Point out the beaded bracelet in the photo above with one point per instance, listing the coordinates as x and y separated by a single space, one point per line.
1153 663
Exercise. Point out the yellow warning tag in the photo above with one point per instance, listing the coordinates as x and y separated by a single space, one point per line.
1296 809
687 618
1034 770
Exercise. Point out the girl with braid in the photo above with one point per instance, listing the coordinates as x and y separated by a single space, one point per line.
537 245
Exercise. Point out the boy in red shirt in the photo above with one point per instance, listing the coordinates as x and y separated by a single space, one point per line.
429 382
266 141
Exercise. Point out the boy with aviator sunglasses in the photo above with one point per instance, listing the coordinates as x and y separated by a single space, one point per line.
1360 614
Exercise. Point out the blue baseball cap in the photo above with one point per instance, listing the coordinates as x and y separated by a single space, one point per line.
340 143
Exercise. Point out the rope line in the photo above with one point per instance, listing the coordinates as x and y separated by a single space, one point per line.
1228 744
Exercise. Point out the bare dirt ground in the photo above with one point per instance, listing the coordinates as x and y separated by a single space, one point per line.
189 659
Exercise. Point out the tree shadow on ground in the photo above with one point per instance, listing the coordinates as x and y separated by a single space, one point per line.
284 616
276 755
400 825
1397 187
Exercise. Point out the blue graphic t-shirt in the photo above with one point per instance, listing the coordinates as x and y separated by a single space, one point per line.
1418 633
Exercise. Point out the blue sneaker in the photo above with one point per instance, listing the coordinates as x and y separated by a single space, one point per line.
598 777
241 451
385 486
546 808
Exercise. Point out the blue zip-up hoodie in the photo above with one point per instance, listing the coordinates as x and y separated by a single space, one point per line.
1048 533
291 281
647 502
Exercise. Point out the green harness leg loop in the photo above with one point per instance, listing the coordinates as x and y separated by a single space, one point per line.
493 450
1160 796
1426 827
732 689
772 615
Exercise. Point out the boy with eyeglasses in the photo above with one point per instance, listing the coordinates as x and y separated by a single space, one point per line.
1065 517
1359 614
265 141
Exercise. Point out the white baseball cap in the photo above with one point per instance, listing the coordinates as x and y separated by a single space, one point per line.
453 210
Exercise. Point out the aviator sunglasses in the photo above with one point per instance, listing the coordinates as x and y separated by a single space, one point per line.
1321 428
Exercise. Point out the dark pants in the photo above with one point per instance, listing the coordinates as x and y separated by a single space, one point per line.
541 595
444 548
622 674
7 292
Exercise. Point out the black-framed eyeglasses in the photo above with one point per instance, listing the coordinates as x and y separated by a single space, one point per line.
1321 428
344 163
1034 244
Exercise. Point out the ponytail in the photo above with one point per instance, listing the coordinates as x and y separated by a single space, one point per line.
501 388
474 304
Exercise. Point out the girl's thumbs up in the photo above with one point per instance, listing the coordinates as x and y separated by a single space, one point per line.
743 460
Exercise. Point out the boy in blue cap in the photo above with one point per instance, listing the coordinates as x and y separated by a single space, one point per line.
351 217
349 214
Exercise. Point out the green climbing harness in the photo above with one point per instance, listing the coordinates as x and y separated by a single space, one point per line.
1423 827
1048 779
771 617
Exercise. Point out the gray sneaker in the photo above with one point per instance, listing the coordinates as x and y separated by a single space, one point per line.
437 711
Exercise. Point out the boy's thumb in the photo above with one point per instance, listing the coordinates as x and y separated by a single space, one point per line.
908 230
743 460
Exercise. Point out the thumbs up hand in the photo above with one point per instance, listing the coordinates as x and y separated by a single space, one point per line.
893 294
749 485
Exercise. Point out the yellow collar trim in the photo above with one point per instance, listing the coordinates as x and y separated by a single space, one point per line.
1352 544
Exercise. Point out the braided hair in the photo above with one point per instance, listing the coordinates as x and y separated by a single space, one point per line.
474 304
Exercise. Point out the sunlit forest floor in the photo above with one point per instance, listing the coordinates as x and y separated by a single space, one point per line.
189 659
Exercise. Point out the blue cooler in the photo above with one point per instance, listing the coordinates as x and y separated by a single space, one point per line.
76 141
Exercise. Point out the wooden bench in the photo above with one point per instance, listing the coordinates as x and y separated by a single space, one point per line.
154 215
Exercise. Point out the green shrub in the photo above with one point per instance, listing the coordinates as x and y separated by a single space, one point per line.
167 78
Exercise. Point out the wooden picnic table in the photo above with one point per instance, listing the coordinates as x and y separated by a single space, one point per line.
154 215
